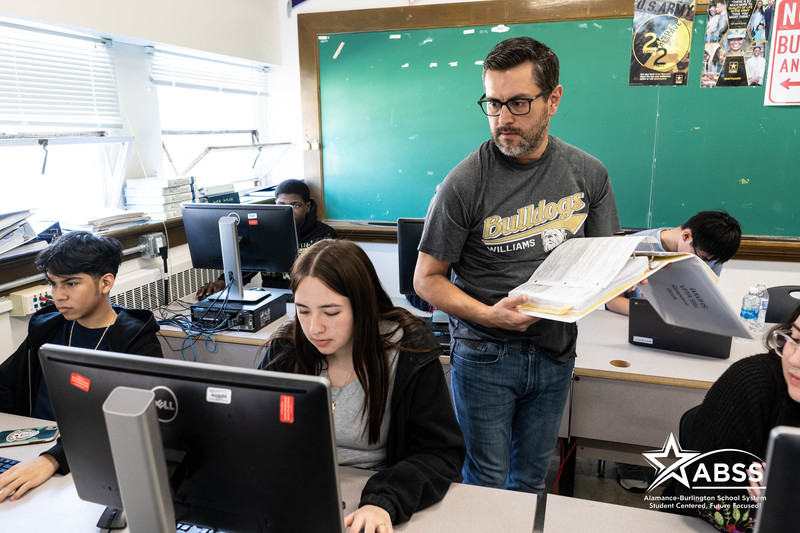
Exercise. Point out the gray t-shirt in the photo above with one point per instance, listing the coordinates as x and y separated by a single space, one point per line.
656 232
352 442
495 220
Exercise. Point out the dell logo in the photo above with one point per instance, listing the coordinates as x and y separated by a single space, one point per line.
166 404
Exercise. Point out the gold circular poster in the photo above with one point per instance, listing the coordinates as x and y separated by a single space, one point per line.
661 42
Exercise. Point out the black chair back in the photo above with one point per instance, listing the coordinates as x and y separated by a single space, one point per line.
782 301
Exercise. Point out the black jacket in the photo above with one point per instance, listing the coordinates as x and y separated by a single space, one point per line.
425 449
133 332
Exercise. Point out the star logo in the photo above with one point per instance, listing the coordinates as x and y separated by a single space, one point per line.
677 460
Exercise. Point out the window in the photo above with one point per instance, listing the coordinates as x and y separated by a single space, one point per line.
58 110
219 145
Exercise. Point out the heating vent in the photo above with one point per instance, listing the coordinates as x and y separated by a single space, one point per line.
151 295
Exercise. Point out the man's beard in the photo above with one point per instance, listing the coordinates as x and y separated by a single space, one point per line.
529 140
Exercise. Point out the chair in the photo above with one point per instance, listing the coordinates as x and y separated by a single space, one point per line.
782 302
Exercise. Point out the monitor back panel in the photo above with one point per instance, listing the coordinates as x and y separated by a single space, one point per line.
777 513
409 233
253 450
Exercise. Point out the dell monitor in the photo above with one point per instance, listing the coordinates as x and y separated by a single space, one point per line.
236 237
252 450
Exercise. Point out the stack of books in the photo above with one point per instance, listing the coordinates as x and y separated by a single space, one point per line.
17 236
104 220
159 198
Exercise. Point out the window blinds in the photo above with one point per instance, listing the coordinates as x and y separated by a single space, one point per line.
56 80
179 70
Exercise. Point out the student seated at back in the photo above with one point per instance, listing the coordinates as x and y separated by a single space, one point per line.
753 396
80 268
310 229
391 407
713 236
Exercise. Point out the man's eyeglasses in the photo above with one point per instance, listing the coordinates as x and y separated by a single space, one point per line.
785 345
516 106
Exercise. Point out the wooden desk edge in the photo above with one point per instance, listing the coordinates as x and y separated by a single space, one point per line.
218 337
643 378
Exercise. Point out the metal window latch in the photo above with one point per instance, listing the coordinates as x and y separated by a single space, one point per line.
43 144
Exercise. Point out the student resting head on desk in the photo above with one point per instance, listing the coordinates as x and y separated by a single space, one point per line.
310 229
80 268
753 396
713 236
391 407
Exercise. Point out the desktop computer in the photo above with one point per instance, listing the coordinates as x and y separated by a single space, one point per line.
217 314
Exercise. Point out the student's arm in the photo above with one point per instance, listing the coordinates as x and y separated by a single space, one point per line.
26 475
431 283
434 450
619 304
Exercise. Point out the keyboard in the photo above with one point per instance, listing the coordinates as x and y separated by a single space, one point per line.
6 463
188 528
441 330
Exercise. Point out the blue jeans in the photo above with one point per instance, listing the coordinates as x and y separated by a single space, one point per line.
509 405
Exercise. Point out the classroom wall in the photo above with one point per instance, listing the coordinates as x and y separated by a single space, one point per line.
246 29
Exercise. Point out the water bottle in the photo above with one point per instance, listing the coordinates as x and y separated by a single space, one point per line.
762 312
751 303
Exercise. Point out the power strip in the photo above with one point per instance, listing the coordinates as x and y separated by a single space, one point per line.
28 301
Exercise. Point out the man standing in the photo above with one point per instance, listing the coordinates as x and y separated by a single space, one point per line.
511 372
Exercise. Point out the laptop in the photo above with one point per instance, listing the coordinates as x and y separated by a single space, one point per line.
778 509
646 328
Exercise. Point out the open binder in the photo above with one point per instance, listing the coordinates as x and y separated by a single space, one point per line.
582 274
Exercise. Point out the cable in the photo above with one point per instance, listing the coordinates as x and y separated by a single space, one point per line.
554 486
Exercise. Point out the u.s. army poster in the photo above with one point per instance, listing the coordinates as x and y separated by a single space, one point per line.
662 38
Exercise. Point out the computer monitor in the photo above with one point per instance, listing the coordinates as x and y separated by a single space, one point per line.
236 237
781 480
409 233
257 447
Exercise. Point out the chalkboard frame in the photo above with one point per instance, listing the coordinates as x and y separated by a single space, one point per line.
311 25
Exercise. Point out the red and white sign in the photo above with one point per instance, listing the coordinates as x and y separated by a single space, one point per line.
783 80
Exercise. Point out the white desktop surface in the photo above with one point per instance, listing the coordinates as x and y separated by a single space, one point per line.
603 338
54 507
573 515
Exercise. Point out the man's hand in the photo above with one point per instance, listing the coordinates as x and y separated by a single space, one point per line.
26 475
369 519
505 314
210 288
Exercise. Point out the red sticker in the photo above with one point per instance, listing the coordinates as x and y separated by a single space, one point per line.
287 409
79 381
253 222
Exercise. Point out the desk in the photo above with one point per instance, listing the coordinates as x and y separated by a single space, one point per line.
233 348
568 515
54 507
616 412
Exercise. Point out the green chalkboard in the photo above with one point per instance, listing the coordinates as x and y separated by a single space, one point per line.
398 112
